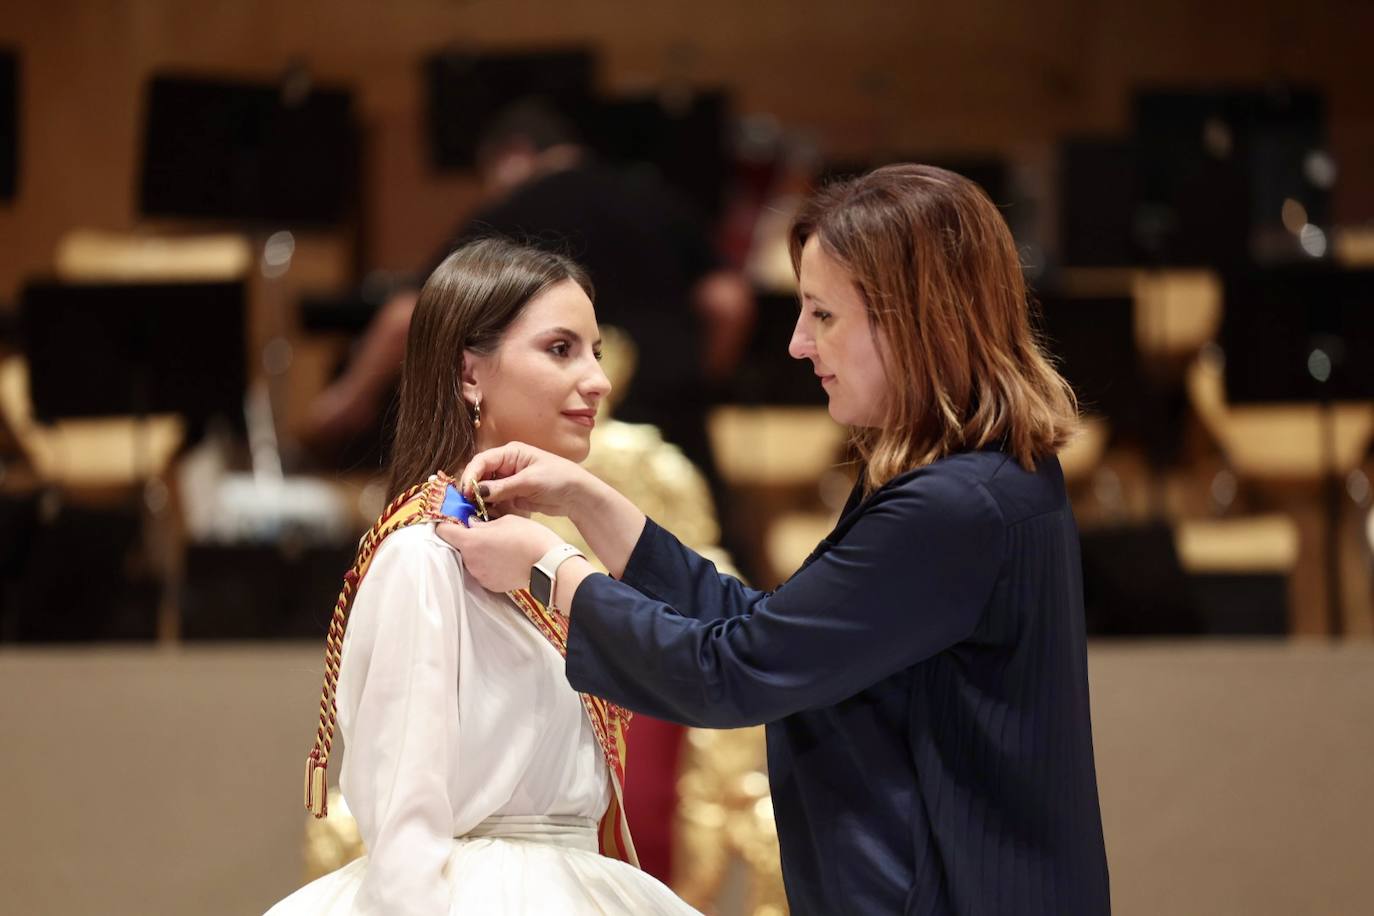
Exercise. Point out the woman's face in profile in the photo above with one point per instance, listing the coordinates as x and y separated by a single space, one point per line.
833 331
544 383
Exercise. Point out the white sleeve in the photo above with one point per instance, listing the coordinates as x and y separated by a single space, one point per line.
399 691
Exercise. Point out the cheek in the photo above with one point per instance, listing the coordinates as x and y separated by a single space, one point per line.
851 356
877 384
873 377
533 399
539 402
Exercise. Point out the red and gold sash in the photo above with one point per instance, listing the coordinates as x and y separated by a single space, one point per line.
609 722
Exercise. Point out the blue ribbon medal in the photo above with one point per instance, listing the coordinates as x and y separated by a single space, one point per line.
456 505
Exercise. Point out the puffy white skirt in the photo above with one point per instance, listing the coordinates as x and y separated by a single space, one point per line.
515 865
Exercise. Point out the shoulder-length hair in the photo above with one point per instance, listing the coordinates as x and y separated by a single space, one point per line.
467 304
941 280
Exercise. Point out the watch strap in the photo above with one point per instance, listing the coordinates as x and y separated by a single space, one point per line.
548 566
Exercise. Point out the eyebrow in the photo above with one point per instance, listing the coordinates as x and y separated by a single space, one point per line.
569 332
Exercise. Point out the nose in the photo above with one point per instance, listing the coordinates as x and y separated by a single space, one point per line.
802 345
595 385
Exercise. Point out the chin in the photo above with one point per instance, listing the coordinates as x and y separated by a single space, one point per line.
839 414
574 448
579 452
848 417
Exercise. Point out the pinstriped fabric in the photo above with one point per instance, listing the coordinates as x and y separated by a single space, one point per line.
962 784
1011 823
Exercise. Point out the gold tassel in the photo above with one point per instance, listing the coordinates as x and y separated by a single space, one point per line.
316 789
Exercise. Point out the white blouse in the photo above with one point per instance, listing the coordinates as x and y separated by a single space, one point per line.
453 708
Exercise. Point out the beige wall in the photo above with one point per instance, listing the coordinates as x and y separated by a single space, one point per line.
866 76
146 781
1235 778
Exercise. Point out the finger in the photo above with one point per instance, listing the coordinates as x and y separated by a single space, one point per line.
502 461
506 492
454 534
509 508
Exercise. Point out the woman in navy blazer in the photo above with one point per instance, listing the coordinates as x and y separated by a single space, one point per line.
923 676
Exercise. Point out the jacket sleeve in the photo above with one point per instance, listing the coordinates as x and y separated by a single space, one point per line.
908 579
661 567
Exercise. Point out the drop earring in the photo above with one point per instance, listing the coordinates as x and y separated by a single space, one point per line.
477 414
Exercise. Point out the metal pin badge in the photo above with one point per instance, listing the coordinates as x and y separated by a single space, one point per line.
481 504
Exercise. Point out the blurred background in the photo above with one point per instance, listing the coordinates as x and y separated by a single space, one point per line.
213 219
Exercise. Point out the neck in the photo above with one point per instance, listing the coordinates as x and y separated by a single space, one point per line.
486 439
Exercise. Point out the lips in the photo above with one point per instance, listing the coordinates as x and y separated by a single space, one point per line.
585 418
825 379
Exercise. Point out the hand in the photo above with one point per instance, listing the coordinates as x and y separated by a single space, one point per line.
520 478
499 554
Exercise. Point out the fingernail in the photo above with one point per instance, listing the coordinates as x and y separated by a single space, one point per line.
482 490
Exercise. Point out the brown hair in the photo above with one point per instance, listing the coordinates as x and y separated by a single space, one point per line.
469 301
940 277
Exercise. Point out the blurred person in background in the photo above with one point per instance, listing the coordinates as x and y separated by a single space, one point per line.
476 774
923 676
656 274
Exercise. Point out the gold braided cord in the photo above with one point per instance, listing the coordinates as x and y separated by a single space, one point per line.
317 763
423 503
609 722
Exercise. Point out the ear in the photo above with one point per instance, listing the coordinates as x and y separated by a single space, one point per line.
475 371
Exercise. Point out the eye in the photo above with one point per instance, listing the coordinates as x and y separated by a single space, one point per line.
561 349
820 315
597 355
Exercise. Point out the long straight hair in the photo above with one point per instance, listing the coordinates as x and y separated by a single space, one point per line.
467 304
939 275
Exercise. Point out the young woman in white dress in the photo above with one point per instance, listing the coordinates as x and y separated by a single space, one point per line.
481 782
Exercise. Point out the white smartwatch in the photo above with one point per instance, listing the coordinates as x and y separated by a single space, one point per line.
544 574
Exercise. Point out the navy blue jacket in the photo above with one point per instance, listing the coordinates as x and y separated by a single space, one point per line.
924 681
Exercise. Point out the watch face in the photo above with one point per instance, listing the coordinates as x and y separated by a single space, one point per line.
540 586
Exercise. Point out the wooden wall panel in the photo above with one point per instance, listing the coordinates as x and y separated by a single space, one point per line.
863 76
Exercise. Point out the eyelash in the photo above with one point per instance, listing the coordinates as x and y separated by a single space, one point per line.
819 315
562 349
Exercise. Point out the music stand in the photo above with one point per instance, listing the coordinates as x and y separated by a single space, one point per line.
1096 193
101 350
465 91
1093 341
257 153
263 156
1214 168
1303 334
